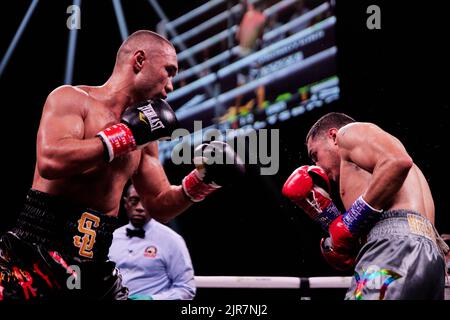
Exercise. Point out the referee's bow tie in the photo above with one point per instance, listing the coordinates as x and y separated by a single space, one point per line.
135 233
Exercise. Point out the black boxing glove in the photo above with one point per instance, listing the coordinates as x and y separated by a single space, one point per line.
217 165
140 124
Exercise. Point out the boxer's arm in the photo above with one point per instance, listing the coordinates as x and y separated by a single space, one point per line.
61 149
161 199
380 153
377 152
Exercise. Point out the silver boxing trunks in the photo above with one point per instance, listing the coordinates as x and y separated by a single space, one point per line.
401 260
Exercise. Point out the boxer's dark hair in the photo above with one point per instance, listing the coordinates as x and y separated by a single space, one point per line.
330 120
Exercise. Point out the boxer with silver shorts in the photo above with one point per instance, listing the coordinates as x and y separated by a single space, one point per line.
386 234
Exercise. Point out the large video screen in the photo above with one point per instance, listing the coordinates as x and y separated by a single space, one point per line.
266 63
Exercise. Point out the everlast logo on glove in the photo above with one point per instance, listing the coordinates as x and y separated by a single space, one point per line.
140 124
86 243
150 114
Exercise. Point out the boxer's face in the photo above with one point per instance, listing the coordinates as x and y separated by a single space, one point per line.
155 78
137 215
324 152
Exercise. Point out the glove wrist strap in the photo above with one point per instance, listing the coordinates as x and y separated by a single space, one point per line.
118 140
360 217
195 188
328 215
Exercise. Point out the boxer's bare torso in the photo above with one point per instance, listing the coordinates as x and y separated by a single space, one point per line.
414 195
80 113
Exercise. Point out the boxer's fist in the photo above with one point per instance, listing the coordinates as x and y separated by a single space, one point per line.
339 260
346 230
354 223
150 121
308 187
140 124
217 165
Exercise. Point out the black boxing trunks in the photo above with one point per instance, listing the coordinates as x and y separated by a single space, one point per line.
402 260
58 250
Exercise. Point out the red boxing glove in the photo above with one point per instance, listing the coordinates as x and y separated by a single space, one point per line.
308 187
345 232
339 260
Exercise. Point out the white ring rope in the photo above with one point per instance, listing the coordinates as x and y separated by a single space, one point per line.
271 282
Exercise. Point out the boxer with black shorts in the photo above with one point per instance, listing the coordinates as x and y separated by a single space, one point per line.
387 233
91 141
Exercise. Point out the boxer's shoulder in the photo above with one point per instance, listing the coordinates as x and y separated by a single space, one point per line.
356 133
357 128
66 98
67 92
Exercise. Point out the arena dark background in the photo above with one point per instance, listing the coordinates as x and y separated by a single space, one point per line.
394 77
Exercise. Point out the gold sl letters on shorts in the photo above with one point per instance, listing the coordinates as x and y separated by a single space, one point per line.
86 224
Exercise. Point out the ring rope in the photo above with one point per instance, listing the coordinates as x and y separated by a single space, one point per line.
271 282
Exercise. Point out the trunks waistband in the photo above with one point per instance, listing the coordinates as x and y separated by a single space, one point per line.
406 222
66 226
